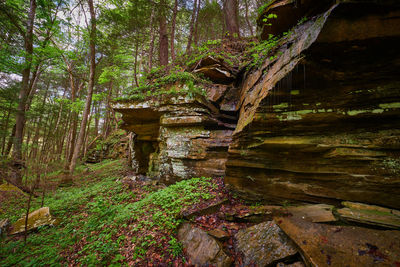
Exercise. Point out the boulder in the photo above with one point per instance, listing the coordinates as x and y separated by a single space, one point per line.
264 244
370 214
328 245
7 187
36 219
201 248
4 225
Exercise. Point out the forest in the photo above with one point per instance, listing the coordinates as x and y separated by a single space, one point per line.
199 133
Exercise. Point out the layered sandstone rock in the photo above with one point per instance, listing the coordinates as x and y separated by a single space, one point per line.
177 138
320 123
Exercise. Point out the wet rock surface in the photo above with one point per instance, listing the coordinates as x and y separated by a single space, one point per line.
327 245
323 128
202 249
263 244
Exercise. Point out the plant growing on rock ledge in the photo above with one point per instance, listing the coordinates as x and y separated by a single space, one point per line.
167 85
259 52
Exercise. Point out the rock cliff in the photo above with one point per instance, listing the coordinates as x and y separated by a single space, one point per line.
318 121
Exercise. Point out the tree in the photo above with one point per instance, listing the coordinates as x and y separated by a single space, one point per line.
92 70
231 16
163 47
173 24
191 31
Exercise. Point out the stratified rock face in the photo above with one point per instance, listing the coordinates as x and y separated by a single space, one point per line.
321 122
179 137
264 244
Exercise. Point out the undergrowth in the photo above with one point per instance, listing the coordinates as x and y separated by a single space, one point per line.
104 222
176 83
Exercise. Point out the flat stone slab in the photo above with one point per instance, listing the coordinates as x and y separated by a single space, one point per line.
208 209
219 234
327 245
264 243
370 214
314 213
37 218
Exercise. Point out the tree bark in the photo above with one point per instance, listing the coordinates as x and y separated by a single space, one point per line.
152 37
190 37
23 94
173 24
196 24
231 17
5 129
136 61
163 48
247 17
92 71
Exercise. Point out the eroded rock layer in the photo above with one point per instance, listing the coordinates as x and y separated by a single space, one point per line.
324 125
177 138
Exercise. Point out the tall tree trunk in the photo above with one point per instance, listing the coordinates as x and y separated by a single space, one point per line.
96 120
247 17
23 94
10 141
87 136
173 24
152 38
190 37
39 124
196 24
163 49
231 16
136 60
107 122
7 122
92 71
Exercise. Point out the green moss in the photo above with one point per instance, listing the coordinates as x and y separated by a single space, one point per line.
294 92
355 112
392 165
167 86
281 106
390 105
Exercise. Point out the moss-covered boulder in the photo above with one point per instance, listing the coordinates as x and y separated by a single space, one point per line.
40 217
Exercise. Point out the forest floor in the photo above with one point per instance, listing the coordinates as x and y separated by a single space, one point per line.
107 218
